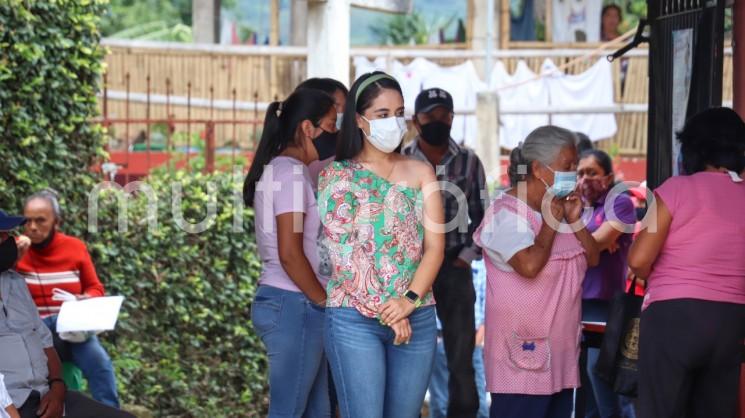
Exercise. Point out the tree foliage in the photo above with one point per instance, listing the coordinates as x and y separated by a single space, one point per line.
127 14
49 76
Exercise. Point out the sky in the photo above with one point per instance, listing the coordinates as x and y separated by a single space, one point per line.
255 13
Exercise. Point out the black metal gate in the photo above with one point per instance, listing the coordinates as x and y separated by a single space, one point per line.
676 25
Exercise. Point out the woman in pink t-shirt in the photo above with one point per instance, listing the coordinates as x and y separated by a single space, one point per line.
535 267
693 322
288 310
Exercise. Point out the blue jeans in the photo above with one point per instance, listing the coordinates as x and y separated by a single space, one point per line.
602 401
373 377
291 328
438 385
91 358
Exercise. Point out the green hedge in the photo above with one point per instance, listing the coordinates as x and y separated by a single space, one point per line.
50 66
185 346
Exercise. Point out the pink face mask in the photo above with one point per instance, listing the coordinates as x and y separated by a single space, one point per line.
593 188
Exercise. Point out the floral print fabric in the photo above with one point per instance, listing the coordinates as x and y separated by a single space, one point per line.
374 233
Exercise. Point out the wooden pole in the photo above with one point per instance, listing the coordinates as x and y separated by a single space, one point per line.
470 23
504 26
299 22
274 41
328 39
206 21
738 60
549 21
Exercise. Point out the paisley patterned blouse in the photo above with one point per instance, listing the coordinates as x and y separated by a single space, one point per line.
374 233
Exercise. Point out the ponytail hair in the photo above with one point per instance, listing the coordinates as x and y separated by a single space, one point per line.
516 160
281 125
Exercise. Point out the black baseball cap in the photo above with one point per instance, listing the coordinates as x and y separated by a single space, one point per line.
8 222
429 99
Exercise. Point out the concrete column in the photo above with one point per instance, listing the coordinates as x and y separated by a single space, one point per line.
480 29
299 22
328 39
205 16
487 147
738 57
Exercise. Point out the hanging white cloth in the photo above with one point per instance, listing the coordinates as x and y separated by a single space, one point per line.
463 83
592 88
522 90
362 65
411 77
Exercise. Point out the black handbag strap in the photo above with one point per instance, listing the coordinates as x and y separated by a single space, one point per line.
632 289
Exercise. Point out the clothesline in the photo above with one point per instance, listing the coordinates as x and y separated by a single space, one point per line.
523 90
560 69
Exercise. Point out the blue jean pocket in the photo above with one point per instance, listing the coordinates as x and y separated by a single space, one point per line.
316 307
265 314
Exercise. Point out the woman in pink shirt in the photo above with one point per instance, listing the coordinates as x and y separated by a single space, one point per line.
535 265
693 319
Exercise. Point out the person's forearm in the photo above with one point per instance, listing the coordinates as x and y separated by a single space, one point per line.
604 242
544 241
426 273
301 273
590 245
53 363
12 412
642 272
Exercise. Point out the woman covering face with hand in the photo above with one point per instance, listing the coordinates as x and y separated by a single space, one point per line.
535 265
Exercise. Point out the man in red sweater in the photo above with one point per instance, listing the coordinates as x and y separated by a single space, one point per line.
56 260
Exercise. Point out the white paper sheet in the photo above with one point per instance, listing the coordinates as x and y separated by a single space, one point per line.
95 314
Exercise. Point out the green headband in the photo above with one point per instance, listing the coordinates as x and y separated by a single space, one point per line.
365 84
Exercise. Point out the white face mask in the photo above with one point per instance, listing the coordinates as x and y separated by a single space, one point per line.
386 134
339 119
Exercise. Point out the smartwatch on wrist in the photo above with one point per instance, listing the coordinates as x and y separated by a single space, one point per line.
413 297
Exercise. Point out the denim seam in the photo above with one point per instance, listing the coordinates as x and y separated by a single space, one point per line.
344 399
298 409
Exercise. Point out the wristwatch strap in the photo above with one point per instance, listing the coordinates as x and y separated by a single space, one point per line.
413 297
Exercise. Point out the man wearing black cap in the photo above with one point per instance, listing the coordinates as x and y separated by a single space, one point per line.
32 369
462 173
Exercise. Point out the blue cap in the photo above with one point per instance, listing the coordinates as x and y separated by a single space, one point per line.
8 222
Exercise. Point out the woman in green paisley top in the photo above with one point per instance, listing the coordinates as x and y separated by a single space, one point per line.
383 222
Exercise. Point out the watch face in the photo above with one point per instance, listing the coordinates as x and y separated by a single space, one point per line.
412 296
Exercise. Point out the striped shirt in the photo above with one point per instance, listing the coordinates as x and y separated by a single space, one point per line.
64 264
465 181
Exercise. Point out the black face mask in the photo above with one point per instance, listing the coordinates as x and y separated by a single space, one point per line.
47 240
326 145
641 213
436 133
8 254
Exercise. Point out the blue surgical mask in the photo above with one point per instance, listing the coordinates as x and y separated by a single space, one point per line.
564 182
